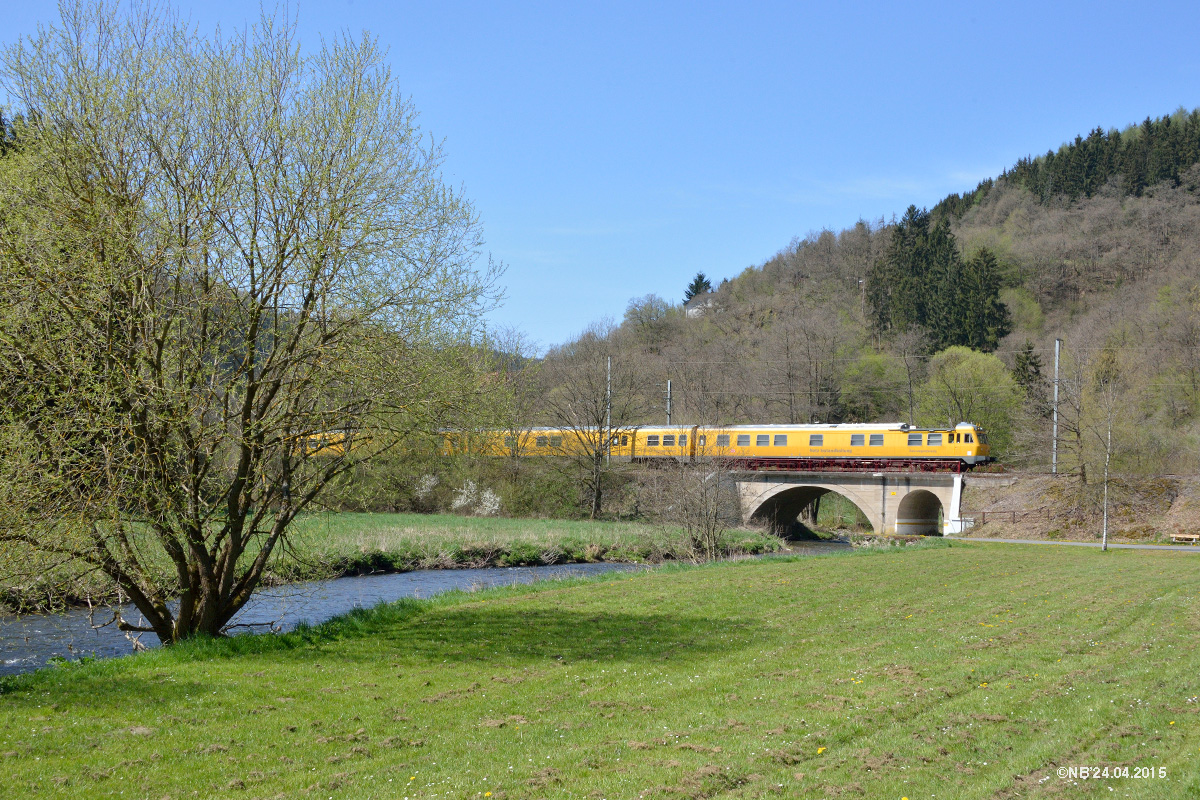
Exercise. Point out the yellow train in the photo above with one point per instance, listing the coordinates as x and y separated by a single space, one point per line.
849 446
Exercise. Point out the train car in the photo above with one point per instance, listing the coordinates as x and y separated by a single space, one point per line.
859 446
842 446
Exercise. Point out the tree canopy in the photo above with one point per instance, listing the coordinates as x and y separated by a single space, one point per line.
213 250
922 281
699 285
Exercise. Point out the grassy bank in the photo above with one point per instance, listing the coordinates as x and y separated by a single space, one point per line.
949 672
343 543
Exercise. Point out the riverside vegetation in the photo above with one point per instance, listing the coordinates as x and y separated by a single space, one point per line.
956 671
325 545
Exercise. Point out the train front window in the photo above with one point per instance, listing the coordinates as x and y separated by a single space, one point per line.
743 440
669 440
935 440
983 438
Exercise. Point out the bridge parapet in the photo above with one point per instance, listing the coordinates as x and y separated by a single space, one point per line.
893 502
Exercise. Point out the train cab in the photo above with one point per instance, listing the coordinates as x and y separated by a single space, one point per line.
969 443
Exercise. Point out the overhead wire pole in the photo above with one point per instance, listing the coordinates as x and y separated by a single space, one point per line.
668 402
608 412
1054 438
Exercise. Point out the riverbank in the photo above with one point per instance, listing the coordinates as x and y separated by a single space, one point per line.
959 670
336 544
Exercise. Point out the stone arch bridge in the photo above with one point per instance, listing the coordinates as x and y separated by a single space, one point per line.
894 502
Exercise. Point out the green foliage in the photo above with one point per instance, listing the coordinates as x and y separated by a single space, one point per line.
922 282
1027 372
968 386
1159 150
1024 308
870 387
699 285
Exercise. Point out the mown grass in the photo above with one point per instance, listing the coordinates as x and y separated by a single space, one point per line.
964 671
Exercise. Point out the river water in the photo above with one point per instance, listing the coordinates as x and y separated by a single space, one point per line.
29 641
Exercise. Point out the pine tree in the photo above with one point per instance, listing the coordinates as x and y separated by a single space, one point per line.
1027 372
982 320
699 285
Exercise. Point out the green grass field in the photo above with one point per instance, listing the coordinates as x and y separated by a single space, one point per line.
964 671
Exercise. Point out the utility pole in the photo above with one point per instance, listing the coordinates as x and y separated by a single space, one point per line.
1054 442
1107 457
668 402
608 413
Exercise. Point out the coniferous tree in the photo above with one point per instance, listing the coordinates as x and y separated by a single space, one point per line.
699 285
1027 372
981 319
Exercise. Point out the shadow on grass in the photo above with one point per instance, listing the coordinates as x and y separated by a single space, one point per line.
414 631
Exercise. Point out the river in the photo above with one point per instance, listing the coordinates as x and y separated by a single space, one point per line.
29 641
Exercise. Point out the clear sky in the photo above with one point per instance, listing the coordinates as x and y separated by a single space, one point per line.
615 149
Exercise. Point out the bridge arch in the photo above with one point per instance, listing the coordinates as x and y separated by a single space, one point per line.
916 503
781 508
920 512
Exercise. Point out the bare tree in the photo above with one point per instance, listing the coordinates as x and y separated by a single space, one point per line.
594 392
702 500
214 253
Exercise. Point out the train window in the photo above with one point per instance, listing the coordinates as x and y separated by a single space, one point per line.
983 437
651 441
542 441
556 441
723 440
816 440
669 440
914 440
743 440
624 441
762 440
857 440
683 440
780 440
935 440
702 440
969 438
876 440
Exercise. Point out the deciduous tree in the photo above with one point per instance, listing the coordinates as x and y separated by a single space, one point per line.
213 250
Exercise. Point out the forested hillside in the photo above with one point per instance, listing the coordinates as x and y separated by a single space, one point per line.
952 314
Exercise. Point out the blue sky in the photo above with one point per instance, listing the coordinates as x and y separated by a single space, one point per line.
615 149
